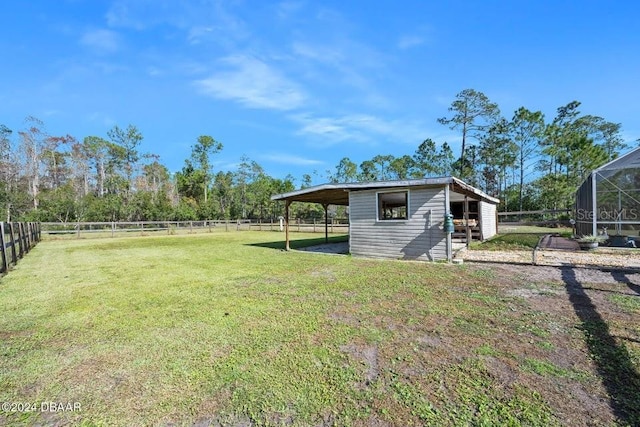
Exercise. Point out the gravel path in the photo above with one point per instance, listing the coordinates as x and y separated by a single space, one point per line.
601 257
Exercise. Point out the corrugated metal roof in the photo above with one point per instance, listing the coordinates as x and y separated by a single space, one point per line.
338 194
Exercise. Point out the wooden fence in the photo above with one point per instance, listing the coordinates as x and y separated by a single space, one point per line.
113 229
545 217
16 240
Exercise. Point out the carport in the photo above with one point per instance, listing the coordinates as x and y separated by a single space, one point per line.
325 195
403 219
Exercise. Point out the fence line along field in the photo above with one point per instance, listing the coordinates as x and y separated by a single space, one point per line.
229 329
16 240
112 229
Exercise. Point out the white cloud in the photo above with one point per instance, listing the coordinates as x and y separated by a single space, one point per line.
330 129
325 54
286 9
103 41
288 159
196 34
363 129
121 15
253 83
407 42
100 118
202 21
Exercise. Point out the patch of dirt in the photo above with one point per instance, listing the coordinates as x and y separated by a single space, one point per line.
368 356
569 308
326 274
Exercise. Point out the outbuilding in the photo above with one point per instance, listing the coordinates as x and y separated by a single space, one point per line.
608 200
405 219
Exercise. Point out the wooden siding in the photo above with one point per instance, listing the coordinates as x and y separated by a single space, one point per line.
421 237
487 219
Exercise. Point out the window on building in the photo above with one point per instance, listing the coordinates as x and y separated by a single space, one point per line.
393 205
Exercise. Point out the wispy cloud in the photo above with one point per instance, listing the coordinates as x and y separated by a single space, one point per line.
362 129
325 54
289 159
286 9
102 41
253 83
196 34
330 129
100 118
202 21
407 42
347 64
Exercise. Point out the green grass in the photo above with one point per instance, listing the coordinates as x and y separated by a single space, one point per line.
228 328
629 303
510 241
520 237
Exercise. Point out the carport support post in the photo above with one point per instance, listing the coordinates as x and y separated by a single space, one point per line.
466 221
447 210
286 224
326 222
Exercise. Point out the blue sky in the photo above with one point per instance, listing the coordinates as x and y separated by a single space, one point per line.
297 85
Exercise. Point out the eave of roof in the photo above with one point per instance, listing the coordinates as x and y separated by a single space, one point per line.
338 194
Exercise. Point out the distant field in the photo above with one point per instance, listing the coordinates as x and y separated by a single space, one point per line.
229 329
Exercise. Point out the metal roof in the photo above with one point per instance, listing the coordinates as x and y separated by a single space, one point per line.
628 160
338 194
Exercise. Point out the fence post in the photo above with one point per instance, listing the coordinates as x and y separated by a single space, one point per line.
14 254
19 240
27 240
25 237
5 266
29 227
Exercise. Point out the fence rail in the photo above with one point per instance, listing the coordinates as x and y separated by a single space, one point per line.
539 217
111 229
16 240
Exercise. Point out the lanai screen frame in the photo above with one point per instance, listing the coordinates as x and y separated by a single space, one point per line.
610 198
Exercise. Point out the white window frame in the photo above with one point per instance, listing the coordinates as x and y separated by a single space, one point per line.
408 199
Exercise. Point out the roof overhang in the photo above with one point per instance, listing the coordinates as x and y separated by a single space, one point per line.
338 194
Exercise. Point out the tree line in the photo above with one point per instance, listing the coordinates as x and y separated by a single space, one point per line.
59 178
527 161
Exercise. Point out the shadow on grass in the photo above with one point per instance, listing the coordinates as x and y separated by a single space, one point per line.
612 360
622 277
301 243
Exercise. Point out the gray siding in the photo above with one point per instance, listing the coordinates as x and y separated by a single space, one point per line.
420 237
488 219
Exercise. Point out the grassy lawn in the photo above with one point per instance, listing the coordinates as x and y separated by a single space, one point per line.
228 329
518 237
